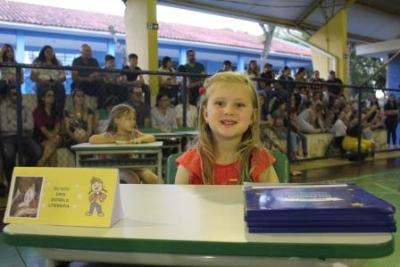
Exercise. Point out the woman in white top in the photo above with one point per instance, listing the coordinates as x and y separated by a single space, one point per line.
163 116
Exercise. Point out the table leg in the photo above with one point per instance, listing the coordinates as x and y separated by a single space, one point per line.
159 166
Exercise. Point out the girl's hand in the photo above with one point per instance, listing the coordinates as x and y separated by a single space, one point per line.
136 141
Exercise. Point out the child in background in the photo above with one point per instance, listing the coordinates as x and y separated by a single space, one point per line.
228 150
122 130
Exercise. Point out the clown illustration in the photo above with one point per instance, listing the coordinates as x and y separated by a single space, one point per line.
97 195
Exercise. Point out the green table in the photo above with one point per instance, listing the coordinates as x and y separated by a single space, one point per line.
194 226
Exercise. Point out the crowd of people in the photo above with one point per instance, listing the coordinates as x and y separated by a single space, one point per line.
316 105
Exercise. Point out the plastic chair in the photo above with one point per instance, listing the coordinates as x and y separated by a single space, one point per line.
171 168
281 166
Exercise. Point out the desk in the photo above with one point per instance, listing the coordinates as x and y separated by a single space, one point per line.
178 136
185 225
154 148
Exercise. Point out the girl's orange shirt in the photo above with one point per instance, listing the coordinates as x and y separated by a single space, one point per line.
225 174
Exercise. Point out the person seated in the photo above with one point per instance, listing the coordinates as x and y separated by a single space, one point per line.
163 116
78 120
9 139
9 74
168 84
87 79
350 141
310 119
47 129
131 79
50 77
112 81
141 108
122 129
191 114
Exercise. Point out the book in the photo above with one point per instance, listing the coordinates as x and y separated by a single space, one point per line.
323 229
313 200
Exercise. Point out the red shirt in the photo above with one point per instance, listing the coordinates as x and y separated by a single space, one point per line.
225 174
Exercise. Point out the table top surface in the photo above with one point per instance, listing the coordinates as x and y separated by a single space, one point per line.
188 219
88 146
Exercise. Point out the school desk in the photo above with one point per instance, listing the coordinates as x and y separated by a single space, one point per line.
184 225
177 137
154 148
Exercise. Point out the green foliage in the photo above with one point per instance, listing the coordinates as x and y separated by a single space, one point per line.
366 71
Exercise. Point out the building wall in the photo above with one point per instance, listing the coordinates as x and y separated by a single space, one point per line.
67 47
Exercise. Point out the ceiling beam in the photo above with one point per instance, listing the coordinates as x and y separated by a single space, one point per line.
308 11
258 18
379 8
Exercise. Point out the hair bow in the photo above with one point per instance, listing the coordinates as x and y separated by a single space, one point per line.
202 90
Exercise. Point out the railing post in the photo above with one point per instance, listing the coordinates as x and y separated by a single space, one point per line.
18 82
359 157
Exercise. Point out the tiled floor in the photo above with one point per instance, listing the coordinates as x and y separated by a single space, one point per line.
384 182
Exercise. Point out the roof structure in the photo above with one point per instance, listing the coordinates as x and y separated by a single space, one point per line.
368 20
16 12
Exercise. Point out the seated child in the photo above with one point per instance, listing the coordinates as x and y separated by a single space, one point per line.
122 129
228 150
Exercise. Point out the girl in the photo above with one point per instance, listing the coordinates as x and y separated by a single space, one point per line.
78 119
122 129
228 150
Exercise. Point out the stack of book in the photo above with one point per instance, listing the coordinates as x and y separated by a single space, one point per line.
315 209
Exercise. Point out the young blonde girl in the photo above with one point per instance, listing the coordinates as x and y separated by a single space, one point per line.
122 129
228 150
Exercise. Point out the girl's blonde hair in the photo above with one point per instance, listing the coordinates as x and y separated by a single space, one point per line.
250 138
117 112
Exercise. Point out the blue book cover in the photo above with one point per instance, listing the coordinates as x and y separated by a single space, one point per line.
320 200
322 229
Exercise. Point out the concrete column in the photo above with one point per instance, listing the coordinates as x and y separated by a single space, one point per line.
332 38
141 36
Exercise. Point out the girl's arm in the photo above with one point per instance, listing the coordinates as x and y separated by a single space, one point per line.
182 175
90 120
103 138
143 138
269 176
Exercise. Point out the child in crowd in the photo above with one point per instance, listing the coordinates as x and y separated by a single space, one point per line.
122 130
228 150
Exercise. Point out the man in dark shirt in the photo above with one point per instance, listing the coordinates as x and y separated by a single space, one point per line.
267 74
142 109
134 79
335 88
88 80
194 82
